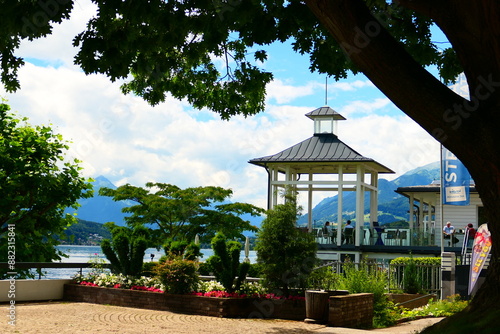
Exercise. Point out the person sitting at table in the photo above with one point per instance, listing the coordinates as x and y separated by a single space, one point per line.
348 233
449 233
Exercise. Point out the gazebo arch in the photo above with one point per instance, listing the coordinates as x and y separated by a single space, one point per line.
327 164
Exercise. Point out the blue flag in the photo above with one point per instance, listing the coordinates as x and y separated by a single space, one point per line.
456 181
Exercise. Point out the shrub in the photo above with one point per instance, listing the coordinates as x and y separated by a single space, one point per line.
420 266
323 279
205 269
188 251
411 280
226 263
178 276
175 248
440 308
367 278
286 255
255 270
148 269
125 251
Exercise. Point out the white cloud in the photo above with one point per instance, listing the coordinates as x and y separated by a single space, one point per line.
364 107
398 143
282 92
349 86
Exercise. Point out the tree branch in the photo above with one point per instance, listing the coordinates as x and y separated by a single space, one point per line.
386 63
472 27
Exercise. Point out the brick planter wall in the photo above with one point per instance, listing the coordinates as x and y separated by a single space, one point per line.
353 311
188 304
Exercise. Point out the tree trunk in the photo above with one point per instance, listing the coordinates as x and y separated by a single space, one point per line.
469 128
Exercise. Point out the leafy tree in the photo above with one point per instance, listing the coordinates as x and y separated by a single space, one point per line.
226 263
173 47
286 254
36 184
180 214
125 251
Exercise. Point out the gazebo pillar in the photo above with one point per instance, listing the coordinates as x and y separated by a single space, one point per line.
360 203
309 203
340 204
422 228
411 221
373 198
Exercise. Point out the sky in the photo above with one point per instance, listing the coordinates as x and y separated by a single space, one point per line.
126 140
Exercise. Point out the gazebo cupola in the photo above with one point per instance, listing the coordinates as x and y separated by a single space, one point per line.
325 120
323 163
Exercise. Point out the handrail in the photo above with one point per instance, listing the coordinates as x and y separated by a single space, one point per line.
40 265
411 300
57 265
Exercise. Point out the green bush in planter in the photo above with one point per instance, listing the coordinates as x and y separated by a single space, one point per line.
411 280
226 263
255 270
182 248
125 251
148 269
205 269
422 268
285 253
179 276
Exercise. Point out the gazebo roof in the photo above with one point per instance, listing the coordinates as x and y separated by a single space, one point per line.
325 112
320 148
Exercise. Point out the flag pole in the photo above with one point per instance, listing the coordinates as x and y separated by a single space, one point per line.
441 187
441 210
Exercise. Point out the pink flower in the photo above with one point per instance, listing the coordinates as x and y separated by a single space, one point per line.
145 288
88 283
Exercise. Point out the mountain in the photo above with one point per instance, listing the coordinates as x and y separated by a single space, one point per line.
101 209
392 207
86 233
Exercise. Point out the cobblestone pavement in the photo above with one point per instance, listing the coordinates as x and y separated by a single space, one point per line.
76 318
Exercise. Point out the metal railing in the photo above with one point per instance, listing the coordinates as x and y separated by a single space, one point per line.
428 275
39 266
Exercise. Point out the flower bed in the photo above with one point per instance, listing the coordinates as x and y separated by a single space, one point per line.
218 306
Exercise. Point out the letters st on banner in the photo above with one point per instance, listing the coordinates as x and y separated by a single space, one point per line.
456 180
480 251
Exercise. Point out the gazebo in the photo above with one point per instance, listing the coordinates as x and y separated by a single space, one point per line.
324 163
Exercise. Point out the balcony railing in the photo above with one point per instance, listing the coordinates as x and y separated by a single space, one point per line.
387 237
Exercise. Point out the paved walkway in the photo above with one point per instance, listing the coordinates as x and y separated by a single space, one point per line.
77 318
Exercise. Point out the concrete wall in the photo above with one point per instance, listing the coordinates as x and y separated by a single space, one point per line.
31 290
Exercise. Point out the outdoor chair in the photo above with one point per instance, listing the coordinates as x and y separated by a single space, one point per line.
348 236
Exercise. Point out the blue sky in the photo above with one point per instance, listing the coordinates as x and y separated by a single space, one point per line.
124 139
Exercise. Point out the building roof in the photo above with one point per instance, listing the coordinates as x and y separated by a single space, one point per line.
430 188
320 148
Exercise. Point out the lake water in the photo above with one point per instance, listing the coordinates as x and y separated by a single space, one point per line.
84 254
